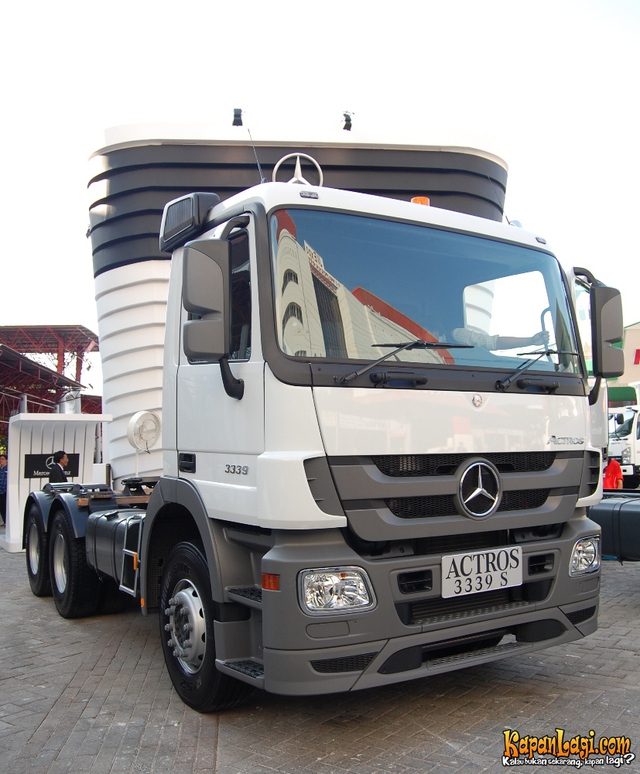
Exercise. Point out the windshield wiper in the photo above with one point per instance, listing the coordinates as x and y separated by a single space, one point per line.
418 344
504 384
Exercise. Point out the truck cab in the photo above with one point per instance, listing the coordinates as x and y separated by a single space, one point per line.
379 414
624 443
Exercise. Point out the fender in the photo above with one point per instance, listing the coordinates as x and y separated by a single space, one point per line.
42 501
174 491
50 501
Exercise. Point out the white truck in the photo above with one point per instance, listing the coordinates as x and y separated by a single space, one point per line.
624 443
379 443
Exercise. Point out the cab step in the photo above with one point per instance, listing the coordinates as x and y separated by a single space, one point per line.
247 595
247 670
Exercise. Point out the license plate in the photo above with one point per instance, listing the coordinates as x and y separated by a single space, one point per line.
478 571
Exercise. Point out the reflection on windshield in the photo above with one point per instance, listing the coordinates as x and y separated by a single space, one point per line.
345 284
620 424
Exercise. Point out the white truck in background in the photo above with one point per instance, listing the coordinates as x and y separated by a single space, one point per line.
378 451
624 443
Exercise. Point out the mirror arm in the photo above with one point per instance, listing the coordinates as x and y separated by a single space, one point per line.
232 386
591 279
595 391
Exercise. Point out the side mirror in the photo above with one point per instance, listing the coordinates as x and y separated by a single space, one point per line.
619 419
607 330
206 277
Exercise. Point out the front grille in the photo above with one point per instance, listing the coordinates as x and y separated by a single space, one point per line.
459 655
415 582
593 474
421 507
454 544
444 505
438 610
540 564
523 500
344 664
402 465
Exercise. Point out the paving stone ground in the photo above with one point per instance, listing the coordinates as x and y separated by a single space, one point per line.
93 695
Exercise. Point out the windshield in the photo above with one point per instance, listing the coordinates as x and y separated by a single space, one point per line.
620 424
351 287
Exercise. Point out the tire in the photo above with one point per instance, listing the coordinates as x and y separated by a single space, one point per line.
37 554
75 586
631 482
185 600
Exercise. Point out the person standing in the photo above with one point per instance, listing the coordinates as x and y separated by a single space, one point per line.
613 478
3 487
56 473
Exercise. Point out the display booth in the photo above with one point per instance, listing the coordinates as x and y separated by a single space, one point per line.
33 439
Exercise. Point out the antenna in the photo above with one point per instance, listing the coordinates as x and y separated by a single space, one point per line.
237 121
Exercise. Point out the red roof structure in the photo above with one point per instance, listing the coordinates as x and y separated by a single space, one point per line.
26 385
60 340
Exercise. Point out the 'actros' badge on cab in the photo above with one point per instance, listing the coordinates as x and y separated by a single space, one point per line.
565 440
479 491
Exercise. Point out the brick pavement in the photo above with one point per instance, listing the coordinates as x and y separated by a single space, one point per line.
93 696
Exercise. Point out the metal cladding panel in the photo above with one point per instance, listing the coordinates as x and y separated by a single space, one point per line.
131 301
132 185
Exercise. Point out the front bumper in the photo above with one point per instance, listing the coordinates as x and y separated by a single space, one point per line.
415 634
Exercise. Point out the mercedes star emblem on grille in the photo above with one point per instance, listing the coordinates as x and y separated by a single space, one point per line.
479 491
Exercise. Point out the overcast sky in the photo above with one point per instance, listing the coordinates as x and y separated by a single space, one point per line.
550 86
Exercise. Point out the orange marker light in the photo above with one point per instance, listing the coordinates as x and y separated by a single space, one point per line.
421 200
270 582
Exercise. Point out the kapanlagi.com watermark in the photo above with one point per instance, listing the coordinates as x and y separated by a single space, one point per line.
561 750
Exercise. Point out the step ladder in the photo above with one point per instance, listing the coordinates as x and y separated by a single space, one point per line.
130 570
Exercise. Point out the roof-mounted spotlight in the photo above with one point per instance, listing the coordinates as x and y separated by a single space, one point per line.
347 121
237 117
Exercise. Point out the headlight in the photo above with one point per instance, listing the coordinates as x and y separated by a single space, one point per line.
626 455
585 557
335 590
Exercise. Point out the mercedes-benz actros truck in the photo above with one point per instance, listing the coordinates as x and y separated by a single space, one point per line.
379 441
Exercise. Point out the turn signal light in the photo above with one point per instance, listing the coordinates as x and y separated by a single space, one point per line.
270 581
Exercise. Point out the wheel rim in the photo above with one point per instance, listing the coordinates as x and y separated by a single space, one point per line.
187 626
59 563
33 548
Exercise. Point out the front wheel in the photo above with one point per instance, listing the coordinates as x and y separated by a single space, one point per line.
75 586
37 555
186 633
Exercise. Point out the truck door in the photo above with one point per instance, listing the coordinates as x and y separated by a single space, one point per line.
220 436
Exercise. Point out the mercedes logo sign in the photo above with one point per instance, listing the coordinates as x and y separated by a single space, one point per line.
479 490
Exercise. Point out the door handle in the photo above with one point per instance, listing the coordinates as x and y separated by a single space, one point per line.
186 462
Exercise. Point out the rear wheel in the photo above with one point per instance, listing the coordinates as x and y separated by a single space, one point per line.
36 553
75 586
186 633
